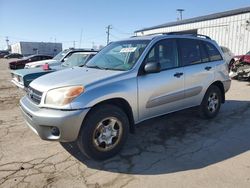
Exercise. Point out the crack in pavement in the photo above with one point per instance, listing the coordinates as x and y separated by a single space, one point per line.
21 166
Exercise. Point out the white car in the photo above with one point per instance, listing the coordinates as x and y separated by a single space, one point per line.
57 60
228 55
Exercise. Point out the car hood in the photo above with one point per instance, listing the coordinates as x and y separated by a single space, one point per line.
73 76
243 58
36 63
24 72
238 56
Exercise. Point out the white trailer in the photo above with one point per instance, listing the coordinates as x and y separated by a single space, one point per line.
29 48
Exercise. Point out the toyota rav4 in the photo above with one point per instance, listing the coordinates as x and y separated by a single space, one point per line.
127 82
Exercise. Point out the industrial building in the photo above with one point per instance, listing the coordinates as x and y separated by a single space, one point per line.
230 29
29 48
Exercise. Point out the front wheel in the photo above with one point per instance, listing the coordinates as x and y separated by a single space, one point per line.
104 132
211 102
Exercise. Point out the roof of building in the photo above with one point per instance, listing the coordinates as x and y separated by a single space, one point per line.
200 18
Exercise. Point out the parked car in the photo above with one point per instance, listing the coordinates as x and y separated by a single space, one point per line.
3 53
228 55
22 77
243 58
57 60
240 68
13 55
19 64
127 82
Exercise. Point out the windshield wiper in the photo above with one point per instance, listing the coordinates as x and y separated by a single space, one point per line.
104 68
96 67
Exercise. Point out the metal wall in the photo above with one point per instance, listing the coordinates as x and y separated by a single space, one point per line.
232 31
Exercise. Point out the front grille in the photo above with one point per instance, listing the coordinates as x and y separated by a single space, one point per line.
34 95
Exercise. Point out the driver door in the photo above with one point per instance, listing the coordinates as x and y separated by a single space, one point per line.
162 92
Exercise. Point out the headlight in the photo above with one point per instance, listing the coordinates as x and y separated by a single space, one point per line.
20 79
63 96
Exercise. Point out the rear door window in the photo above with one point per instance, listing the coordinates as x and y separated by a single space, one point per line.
190 51
204 54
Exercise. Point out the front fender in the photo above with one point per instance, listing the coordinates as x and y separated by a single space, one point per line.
125 89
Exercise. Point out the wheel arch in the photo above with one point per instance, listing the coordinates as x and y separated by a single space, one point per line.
220 85
124 105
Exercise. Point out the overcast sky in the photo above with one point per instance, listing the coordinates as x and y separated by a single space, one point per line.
65 20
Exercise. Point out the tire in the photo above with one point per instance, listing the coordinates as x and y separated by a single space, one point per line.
104 132
209 109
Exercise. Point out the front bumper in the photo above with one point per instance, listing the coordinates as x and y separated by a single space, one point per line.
18 84
43 120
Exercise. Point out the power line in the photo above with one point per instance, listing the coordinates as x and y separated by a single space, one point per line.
121 32
118 38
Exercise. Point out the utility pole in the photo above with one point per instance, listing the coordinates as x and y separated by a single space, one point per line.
108 32
74 43
180 13
80 43
7 42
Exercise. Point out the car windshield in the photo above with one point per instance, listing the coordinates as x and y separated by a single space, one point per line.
120 55
248 53
76 59
28 57
60 55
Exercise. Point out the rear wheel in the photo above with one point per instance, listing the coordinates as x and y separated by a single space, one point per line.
211 102
104 132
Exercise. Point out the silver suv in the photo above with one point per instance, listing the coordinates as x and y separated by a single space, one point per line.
127 82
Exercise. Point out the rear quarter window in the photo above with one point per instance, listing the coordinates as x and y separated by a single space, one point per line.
214 54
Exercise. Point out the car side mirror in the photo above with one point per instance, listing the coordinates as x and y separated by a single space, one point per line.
152 67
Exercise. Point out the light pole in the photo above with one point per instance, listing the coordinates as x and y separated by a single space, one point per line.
180 13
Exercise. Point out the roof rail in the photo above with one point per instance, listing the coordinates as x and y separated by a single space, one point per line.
188 34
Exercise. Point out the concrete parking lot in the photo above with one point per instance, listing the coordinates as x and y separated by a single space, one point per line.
176 150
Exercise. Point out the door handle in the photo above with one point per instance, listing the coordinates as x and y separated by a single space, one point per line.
208 68
178 74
